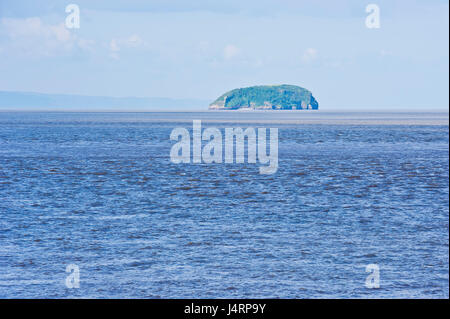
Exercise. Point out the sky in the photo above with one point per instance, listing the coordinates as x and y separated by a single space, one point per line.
201 49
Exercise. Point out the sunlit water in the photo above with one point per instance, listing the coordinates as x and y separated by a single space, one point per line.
99 191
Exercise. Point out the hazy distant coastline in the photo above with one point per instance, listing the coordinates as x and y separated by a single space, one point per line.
30 101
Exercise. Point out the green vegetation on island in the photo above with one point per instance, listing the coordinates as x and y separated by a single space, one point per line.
266 97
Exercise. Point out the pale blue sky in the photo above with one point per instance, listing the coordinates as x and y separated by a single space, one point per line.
200 49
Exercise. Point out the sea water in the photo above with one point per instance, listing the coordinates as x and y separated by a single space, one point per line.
98 191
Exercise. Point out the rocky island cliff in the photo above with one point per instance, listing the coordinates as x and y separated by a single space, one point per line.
266 97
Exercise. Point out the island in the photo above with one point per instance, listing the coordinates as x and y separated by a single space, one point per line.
266 97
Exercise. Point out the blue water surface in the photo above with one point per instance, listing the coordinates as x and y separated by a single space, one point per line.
98 190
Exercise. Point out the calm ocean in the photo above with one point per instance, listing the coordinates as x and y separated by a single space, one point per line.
98 190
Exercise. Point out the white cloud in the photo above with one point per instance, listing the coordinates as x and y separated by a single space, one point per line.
31 36
309 55
86 44
114 46
231 51
133 41
33 27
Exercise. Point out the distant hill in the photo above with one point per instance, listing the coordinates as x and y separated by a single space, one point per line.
27 101
266 97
